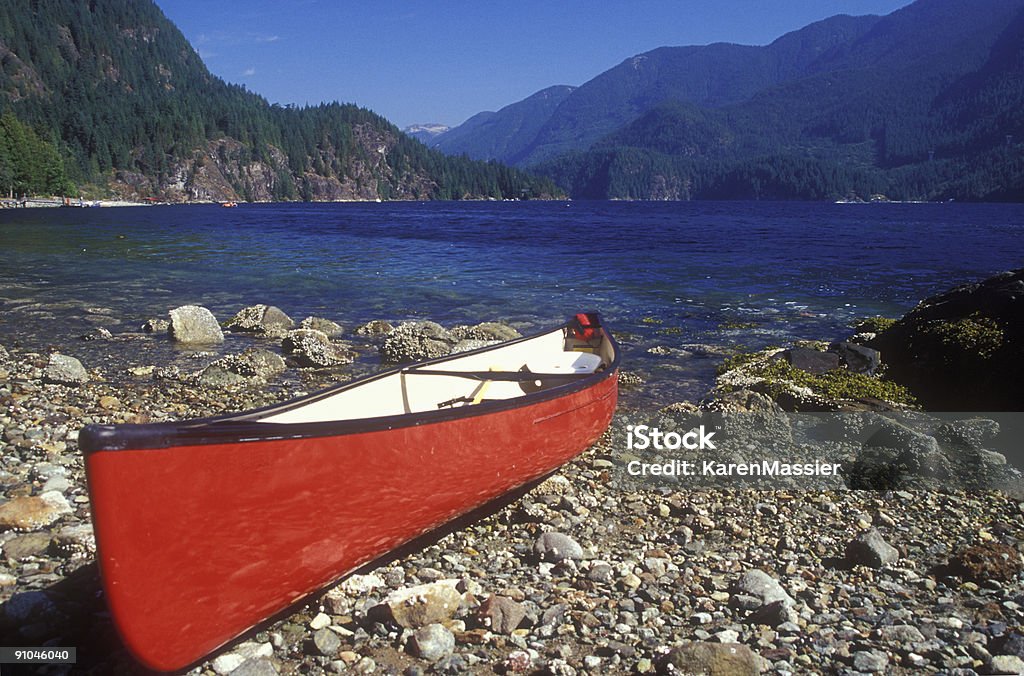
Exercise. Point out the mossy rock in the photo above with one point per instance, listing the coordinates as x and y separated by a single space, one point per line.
975 334
874 325
761 371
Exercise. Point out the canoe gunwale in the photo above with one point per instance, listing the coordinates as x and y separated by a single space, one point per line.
242 427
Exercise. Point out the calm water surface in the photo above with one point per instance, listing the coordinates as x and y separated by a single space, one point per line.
669 274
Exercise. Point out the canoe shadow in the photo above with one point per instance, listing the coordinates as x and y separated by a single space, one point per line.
74 613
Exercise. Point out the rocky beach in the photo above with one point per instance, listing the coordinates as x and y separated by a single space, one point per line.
908 561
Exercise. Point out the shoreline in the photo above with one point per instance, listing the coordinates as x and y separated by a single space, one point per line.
785 579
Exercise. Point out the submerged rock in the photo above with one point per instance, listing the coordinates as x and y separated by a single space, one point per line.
193 324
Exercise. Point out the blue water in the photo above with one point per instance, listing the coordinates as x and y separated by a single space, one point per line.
663 274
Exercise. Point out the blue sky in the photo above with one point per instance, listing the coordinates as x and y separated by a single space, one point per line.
445 61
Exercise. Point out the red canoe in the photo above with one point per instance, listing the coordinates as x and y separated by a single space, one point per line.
206 528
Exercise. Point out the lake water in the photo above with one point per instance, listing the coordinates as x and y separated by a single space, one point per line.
663 274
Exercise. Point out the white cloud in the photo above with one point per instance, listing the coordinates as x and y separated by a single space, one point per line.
248 71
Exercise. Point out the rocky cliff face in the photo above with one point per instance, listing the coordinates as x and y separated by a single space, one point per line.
225 170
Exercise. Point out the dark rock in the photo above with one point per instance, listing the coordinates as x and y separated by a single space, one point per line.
194 325
960 350
432 643
500 614
1011 643
812 361
773 614
556 547
29 607
415 341
314 349
871 549
718 659
988 561
65 370
261 320
858 358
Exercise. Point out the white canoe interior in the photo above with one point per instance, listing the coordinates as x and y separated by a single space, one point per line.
417 389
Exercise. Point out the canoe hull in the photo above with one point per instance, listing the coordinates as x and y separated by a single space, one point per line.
198 544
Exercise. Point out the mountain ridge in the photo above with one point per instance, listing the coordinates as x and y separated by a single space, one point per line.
117 89
911 104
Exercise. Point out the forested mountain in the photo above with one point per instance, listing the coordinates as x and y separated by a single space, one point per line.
118 92
502 135
924 103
